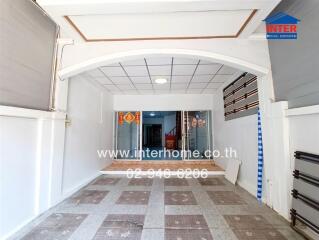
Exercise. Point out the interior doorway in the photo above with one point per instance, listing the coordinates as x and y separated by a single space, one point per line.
152 135
163 135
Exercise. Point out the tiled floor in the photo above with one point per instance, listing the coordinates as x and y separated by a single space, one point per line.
114 208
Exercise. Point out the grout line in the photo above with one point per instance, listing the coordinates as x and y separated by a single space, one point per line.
149 75
212 78
129 77
109 79
192 76
170 82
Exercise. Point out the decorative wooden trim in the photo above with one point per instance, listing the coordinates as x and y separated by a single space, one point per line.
68 19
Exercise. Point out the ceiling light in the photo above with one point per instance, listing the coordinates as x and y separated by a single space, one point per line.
160 80
152 114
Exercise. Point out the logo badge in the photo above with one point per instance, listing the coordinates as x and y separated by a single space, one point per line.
281 26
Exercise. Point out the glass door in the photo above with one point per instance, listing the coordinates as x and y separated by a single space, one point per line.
127 139
197 137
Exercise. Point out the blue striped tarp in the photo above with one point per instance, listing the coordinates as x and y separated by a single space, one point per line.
260 160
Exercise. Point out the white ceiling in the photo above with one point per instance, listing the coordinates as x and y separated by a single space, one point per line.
161 25
184 75
95 20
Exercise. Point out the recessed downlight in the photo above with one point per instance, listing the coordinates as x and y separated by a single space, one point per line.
161 80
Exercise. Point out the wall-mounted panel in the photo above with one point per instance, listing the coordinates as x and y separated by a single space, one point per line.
27 45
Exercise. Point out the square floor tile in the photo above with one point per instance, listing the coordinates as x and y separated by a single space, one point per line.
134 197
124 221
56 226
188 234
141 182
89 197
185 222
106 181
121 226
211 182
247 221
225 198
258 234
175 182
179 198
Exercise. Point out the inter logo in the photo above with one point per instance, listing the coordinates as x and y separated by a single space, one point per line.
281 26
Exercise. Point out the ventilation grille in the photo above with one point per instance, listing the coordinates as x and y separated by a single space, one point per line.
241 97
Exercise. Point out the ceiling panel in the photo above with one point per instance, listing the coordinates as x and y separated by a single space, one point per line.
144 86
207 69
188 76
197 85
159 61
120 80
103 80
214 85
161 86
179 85
160 70
95 73
183 69
202 78
113 71
126 87
181 79
221 78
144 79
185 61
136 70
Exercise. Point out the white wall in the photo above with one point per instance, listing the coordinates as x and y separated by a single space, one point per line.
31 157
241 135
304 132
90 110
173 102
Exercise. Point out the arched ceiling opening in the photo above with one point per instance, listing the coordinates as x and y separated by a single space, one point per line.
182 75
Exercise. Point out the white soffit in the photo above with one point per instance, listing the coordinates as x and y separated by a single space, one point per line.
118 20
189 24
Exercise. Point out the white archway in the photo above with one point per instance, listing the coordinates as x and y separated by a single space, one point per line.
134 54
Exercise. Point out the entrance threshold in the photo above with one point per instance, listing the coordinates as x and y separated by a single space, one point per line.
144 167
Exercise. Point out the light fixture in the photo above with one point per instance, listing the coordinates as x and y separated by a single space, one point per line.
161 80
152 114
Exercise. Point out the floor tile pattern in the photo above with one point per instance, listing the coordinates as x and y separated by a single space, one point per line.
89 197
175 182
106 181
225 198
141 182
134 197
116 207
56 226
180 198
211 182
121 226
